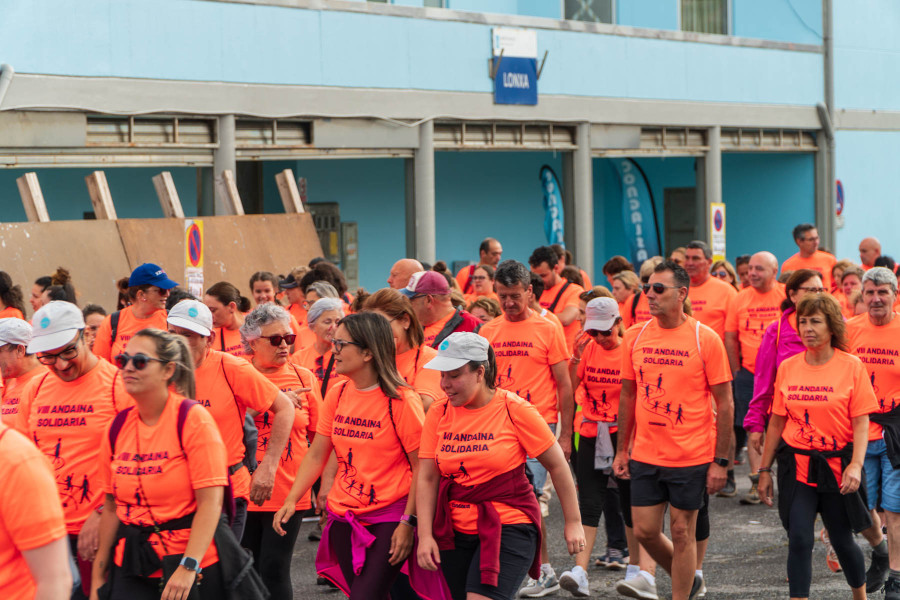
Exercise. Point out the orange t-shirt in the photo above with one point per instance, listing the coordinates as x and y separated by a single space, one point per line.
475 296
67 421
289 377
30 513
748 315
153 475
411 366
377 473
879 350
12 390
227 386
585 279
229 341
641 311
299 313
432 330
472 446
819 403
308 358
11 312
598 393
673 371
568 298
555 320
820 262
129 324
525 351
709 302
305 338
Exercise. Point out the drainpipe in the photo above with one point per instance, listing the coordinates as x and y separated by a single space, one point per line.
828 223
6 75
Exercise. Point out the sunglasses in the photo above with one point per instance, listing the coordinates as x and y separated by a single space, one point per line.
812 290
276 340
339 345
139 360
658 288
720 274
596 332
67 354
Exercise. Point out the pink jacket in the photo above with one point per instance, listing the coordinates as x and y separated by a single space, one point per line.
780 341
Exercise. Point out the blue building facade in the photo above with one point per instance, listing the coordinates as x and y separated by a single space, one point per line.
387 109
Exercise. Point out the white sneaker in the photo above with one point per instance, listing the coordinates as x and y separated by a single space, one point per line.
547 584
575 582
637 587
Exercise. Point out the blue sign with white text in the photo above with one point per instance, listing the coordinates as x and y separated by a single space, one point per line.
515 81
553 207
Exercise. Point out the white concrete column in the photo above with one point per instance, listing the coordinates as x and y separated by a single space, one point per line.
583 184
225 159
426 249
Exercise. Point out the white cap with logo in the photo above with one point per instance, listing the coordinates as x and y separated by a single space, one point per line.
15 331
601 314
192 315
55 325
459 349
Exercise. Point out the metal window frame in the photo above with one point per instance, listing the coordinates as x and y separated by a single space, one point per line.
613 13
729 18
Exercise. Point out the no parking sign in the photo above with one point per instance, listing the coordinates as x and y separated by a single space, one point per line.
193 256
717 230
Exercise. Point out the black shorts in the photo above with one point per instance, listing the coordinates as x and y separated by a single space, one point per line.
462 569
682 487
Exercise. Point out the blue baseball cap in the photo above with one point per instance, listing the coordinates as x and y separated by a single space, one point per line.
150 274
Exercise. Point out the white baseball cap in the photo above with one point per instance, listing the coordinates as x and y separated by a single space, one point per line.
192 315
54 325
459 349
15 331
601 314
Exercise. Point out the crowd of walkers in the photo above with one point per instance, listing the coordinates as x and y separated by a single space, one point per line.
172 447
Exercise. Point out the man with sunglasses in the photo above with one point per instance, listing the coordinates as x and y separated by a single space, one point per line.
67 412
749 314
17 365
673 369
806 236
230 388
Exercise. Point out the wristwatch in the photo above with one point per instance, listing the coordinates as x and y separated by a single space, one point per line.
409 520
722 462
190 564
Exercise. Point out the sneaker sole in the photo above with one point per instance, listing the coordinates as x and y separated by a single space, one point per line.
726 494
542 593
625 590
750 501
616 566
570 585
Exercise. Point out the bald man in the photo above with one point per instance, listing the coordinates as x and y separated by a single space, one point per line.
869 250
402 271
749 314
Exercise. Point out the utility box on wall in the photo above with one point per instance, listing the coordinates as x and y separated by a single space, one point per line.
327 220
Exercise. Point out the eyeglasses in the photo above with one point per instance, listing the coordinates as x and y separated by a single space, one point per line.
658 288
139 360
720 274
340 344
812 290
276 340
479 277
67 354
596 332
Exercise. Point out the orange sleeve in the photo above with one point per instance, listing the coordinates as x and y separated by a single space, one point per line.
532 430
863 401
204 450
428 383
778 399
731 318
428 445
326 417
627 365
103 341
250 386
38 520
462 277
574 292
408 418
715 358
556 352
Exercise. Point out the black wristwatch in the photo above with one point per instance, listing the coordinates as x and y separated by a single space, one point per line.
190 564
722 462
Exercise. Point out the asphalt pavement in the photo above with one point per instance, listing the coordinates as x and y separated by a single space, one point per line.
746 559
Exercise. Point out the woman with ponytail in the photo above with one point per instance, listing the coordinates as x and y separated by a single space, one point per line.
12 303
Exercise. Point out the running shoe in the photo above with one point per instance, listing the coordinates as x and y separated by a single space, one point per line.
877 573
544 586
575 582
637 587
752 497
616 559
602 560
831 558
729 491
892 589
697 587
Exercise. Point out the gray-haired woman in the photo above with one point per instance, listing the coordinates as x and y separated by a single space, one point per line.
323 318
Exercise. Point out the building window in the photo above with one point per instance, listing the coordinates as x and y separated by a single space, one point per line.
595 11
705 16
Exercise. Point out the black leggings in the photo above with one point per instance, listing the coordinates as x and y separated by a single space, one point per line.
377 576
271 552
595 497
801 537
